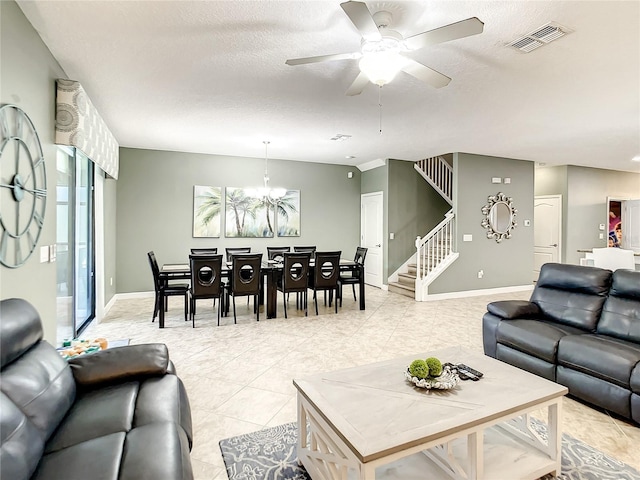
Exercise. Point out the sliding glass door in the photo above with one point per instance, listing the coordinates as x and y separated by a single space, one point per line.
75 243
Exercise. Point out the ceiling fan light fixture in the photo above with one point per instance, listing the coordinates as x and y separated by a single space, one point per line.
381 67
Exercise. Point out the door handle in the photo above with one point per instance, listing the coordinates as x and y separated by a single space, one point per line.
379 245
554 245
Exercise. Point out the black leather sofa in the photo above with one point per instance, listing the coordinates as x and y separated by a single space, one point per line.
581 328
118 414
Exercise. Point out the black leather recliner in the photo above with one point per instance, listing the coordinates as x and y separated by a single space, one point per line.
120 413
581 328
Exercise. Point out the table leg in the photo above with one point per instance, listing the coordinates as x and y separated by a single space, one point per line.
272 294
475 447
163 299
555 434
361 272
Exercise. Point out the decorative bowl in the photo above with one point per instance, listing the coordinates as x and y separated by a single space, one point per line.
446 380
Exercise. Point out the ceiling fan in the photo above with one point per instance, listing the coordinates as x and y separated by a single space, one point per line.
381 56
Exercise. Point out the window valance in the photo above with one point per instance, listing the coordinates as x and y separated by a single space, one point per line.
78 124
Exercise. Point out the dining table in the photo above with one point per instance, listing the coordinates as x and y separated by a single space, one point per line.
270 271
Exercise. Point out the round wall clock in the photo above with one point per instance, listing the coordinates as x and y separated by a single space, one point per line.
23 187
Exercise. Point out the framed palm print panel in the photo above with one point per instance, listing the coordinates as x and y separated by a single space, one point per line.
207 211
247 215
289 214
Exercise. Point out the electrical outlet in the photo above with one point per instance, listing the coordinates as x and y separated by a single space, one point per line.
480 273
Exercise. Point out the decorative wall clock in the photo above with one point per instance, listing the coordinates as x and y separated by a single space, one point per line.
23 187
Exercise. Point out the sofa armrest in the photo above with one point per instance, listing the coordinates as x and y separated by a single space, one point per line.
510 309
120 363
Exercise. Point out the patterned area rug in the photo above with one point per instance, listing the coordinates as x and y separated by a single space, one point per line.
270 454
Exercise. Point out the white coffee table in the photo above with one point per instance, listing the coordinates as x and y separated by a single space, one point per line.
369 422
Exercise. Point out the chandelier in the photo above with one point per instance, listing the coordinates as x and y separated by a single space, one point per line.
265 193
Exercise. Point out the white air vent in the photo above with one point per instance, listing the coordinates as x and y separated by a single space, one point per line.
540 37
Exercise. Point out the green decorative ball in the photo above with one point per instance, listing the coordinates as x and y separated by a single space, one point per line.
434 365
419 368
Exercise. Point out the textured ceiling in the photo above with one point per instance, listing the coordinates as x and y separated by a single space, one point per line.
210 77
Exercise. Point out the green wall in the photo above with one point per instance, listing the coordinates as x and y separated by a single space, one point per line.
508 263
110 239
27 79
414 209
155 207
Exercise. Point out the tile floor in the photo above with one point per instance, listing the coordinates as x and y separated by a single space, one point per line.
238 377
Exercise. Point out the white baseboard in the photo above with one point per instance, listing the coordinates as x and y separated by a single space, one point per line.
477 293
130 295
109 304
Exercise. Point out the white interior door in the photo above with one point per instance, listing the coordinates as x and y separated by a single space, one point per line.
371 233
547 231
631 225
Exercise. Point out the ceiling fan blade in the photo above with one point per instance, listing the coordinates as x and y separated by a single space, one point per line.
358 85
361 18
464 28
324 58
426 74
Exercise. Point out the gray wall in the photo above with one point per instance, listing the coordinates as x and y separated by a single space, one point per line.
584 202
414 209
504 264
27 79
110 239
377 180
155 207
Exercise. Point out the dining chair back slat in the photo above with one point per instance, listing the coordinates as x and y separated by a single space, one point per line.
231 251
204 251
277 253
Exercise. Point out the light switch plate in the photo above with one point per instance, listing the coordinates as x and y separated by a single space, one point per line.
527 223
496 180
44 254
507 180
467 237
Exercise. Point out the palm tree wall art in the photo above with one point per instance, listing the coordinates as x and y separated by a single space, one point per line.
288 209
207 210
247 215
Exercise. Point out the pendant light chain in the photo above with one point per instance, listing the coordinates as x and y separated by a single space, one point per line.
380 107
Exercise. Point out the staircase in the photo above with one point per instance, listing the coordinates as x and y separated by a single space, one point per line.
435 251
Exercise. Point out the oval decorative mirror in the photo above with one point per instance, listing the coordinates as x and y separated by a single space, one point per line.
499 216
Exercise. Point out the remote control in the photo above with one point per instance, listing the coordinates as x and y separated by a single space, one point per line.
468 370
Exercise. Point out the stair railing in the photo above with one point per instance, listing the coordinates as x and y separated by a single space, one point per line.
433 249
439 174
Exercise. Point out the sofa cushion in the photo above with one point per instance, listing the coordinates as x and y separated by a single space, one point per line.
22 444
95 414
96 458
538 338
526 362
621 313
41 385
603 357
572 294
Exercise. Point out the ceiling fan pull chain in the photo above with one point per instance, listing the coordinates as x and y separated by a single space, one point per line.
380 106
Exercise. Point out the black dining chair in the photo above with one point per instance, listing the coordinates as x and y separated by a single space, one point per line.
164 289
276 253
326 273
245 279
295 278
353 277
206 281
204 251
